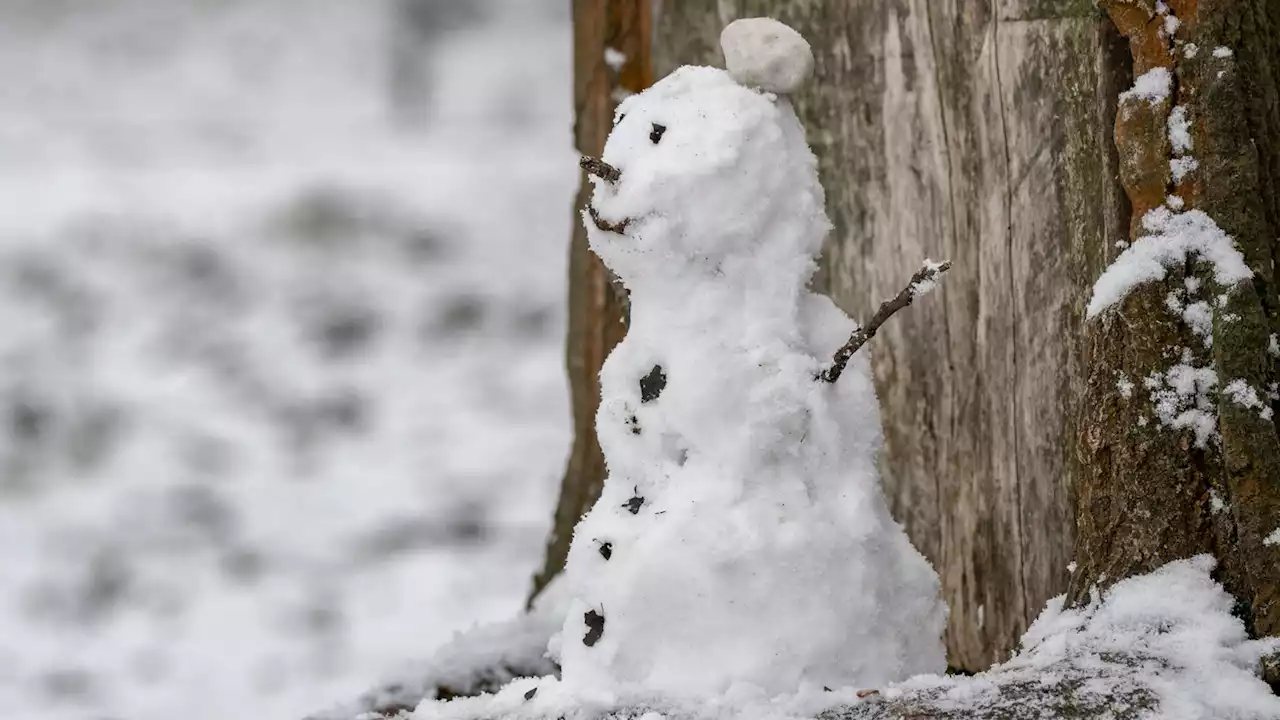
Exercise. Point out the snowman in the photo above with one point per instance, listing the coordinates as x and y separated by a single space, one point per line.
741 540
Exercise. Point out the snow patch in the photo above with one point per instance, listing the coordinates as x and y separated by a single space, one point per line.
614 58
1182 399
1199 317
1172 238
1216 503
1181 167
1180 130
1124 385
1272 539
1161 645
1222 52
1244 395
1153 86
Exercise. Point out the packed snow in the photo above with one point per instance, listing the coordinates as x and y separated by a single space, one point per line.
1171 239
282 291
741 542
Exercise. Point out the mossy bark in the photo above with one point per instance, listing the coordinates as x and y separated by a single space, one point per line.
1150 494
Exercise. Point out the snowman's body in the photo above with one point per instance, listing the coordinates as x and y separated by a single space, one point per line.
741 535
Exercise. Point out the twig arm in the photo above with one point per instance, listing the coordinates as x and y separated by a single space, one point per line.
925 279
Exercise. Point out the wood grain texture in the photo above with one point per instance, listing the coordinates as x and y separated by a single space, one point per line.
978 133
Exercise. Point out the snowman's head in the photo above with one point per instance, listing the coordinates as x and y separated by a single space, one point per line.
708 172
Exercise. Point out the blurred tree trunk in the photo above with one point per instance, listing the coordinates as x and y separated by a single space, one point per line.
597 307
985 133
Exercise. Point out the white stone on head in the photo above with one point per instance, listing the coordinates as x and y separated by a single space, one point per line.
765 54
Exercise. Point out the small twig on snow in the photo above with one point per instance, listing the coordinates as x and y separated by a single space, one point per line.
922 282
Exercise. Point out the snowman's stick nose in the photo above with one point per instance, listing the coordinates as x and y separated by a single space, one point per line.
600 168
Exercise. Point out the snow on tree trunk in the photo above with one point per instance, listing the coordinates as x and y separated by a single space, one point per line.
1178 441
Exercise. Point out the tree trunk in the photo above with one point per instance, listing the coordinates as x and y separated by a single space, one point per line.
597 306
1150 494
985 133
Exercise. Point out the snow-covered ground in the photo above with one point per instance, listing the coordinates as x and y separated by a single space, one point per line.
281 290
1160 646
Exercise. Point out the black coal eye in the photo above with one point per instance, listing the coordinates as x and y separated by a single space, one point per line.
656 133
621 117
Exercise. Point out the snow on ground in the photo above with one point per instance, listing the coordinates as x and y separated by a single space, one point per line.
282 404
1163 645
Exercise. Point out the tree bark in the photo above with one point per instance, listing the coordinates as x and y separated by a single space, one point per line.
1149 494
597 305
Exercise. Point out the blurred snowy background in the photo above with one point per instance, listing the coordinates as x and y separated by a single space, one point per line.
281 298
